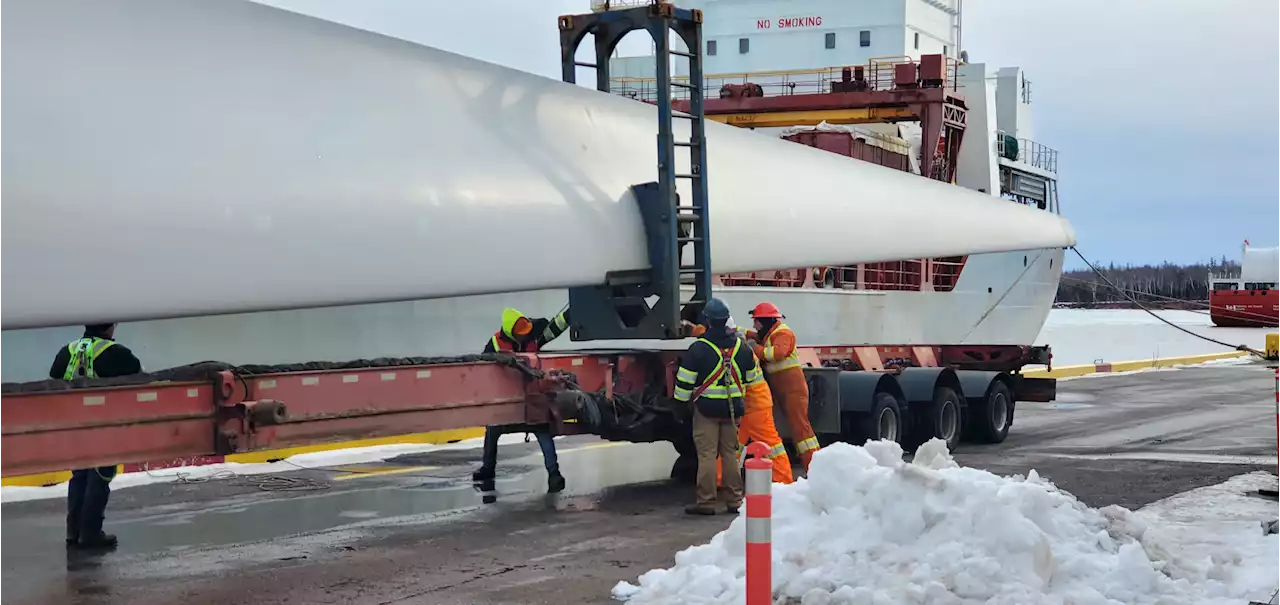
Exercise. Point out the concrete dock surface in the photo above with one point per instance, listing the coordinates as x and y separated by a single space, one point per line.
415 529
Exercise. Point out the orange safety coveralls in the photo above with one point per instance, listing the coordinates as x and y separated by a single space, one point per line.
757 425
786 378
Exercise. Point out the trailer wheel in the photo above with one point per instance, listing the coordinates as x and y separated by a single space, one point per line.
943 420
883 422
992 416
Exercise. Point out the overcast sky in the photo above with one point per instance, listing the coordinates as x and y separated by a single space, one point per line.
1164 112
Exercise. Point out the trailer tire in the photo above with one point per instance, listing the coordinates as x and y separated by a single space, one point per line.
990 418
685 469
943 418
883 422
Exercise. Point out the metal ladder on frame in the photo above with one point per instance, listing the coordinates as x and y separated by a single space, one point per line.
617 309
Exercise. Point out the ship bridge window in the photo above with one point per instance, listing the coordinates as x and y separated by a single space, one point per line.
1224 285
831 40
744 45
1259 286
711 47
917 40
864 38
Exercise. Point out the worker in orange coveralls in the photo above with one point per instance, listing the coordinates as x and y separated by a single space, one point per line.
776 347
757 422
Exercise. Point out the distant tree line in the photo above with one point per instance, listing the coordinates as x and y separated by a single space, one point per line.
1152 284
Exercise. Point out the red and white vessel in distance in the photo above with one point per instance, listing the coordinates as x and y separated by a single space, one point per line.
1248 299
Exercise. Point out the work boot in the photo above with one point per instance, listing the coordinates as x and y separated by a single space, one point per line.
101 541
696 509
555 481
732 509
483 473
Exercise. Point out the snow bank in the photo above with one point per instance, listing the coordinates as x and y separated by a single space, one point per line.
868 529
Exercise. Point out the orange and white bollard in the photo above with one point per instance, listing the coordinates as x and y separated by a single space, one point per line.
759 525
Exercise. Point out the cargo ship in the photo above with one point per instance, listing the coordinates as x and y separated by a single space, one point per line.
1247 299
885 84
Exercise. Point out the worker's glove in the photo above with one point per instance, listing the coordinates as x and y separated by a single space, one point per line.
692 330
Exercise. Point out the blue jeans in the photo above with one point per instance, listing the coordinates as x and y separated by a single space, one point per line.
546 441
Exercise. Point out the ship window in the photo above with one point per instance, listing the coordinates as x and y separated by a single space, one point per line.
864 38
1224 285
944 49
917 40
744 45
831 40
711 47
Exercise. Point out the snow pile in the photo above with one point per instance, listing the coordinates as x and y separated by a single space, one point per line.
867 528
1214 532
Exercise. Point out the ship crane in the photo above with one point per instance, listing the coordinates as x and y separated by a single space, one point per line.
240 158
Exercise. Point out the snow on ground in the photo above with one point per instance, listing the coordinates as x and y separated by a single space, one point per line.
293 463
1212 532
1086 335
867 528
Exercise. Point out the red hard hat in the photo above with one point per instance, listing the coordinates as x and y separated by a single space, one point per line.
766 309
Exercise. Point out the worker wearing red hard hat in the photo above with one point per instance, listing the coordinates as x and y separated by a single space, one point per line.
521 334
776 347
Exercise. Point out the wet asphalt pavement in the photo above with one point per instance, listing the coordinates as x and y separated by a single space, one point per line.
415 530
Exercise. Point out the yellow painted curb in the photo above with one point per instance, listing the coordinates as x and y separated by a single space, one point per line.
436 437
1129 366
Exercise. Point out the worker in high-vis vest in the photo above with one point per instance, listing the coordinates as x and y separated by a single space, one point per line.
757 421
712 377
94 355
521 334
776 347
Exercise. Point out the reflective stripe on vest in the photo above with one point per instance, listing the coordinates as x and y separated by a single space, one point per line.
83 353
721 383
792 360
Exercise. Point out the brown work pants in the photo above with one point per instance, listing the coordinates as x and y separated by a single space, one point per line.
716 438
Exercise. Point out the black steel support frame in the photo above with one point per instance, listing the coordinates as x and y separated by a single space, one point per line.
618 309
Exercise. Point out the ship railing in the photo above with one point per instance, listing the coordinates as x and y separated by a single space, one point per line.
879 74
1026 151
600 6
937 274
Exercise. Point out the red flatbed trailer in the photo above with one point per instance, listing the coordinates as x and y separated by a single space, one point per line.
215 410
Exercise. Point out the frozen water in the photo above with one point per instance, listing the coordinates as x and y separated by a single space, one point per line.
1080 336
867 528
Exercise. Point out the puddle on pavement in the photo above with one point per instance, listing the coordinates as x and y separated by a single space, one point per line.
590 470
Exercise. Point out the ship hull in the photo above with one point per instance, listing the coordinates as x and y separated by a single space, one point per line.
999 298
1244 308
